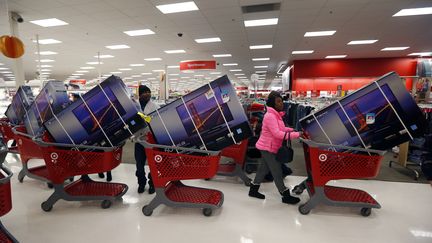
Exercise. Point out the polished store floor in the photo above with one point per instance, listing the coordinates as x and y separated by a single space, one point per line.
405 215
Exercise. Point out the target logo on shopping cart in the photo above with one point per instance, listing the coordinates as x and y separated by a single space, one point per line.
322 157
158 158
54 157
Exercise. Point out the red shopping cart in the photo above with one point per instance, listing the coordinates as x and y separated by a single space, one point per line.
236 152
65 160
324 163
5 202
28 150
7 134
169 165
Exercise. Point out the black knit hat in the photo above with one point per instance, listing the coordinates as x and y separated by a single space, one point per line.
142 89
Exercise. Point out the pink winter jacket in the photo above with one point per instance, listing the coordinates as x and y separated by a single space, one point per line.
273 131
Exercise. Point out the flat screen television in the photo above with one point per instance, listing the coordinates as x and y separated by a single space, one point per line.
52 99
96 117
21 102
198 114
377 116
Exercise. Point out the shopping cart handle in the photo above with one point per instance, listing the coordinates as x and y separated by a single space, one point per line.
42 143
174 148
9 175
315 144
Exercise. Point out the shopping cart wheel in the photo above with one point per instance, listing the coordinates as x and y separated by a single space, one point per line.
50 185
297 190
207 212
45 207
106 204
366 212
146 212
303 210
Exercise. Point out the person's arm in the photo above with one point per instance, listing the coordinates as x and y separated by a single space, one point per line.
288 129
276 132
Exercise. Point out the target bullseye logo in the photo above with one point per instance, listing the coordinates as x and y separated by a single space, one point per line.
158 158
54 157
322 157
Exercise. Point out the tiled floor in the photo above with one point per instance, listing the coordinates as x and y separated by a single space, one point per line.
405 216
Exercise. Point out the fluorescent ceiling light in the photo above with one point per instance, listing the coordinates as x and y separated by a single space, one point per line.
125 69
199 75
208 40
3 68
260 59
174 51
1 64
116 47
413 11
152 59
238 74
260 71
94 63
115 72
45 60
361 42
47 53
139 32
235 70
136 76
49 22
395 48
230 64
302 52
260 47
242 77
260 22
6 72
222 55
48 41
260 66
137 65
44 73
158 70
87 67
77 74
420 54
146 73
319 33
46 70
82 71
184 77
177 7
104 56
44 66
335 56
173 66
173 74
215 73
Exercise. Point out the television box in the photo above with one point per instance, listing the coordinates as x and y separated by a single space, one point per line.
367 114
196 114
21 101
51 100
96 121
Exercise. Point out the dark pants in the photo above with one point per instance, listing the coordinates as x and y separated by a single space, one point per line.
140 158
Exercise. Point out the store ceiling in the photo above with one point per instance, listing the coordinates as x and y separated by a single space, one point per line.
94 24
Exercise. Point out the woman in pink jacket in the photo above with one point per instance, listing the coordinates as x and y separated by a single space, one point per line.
269 142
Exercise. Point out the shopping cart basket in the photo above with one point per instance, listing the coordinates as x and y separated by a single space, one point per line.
168 165
324 163
28 150
236 152
7 134
5 201
65 160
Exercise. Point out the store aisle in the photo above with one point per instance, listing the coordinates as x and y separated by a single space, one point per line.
404 217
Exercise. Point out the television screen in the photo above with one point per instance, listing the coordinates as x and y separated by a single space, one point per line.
52 99
21 101
82 122
196 116
366 116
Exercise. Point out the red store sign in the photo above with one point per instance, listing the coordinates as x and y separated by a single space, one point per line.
195 65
